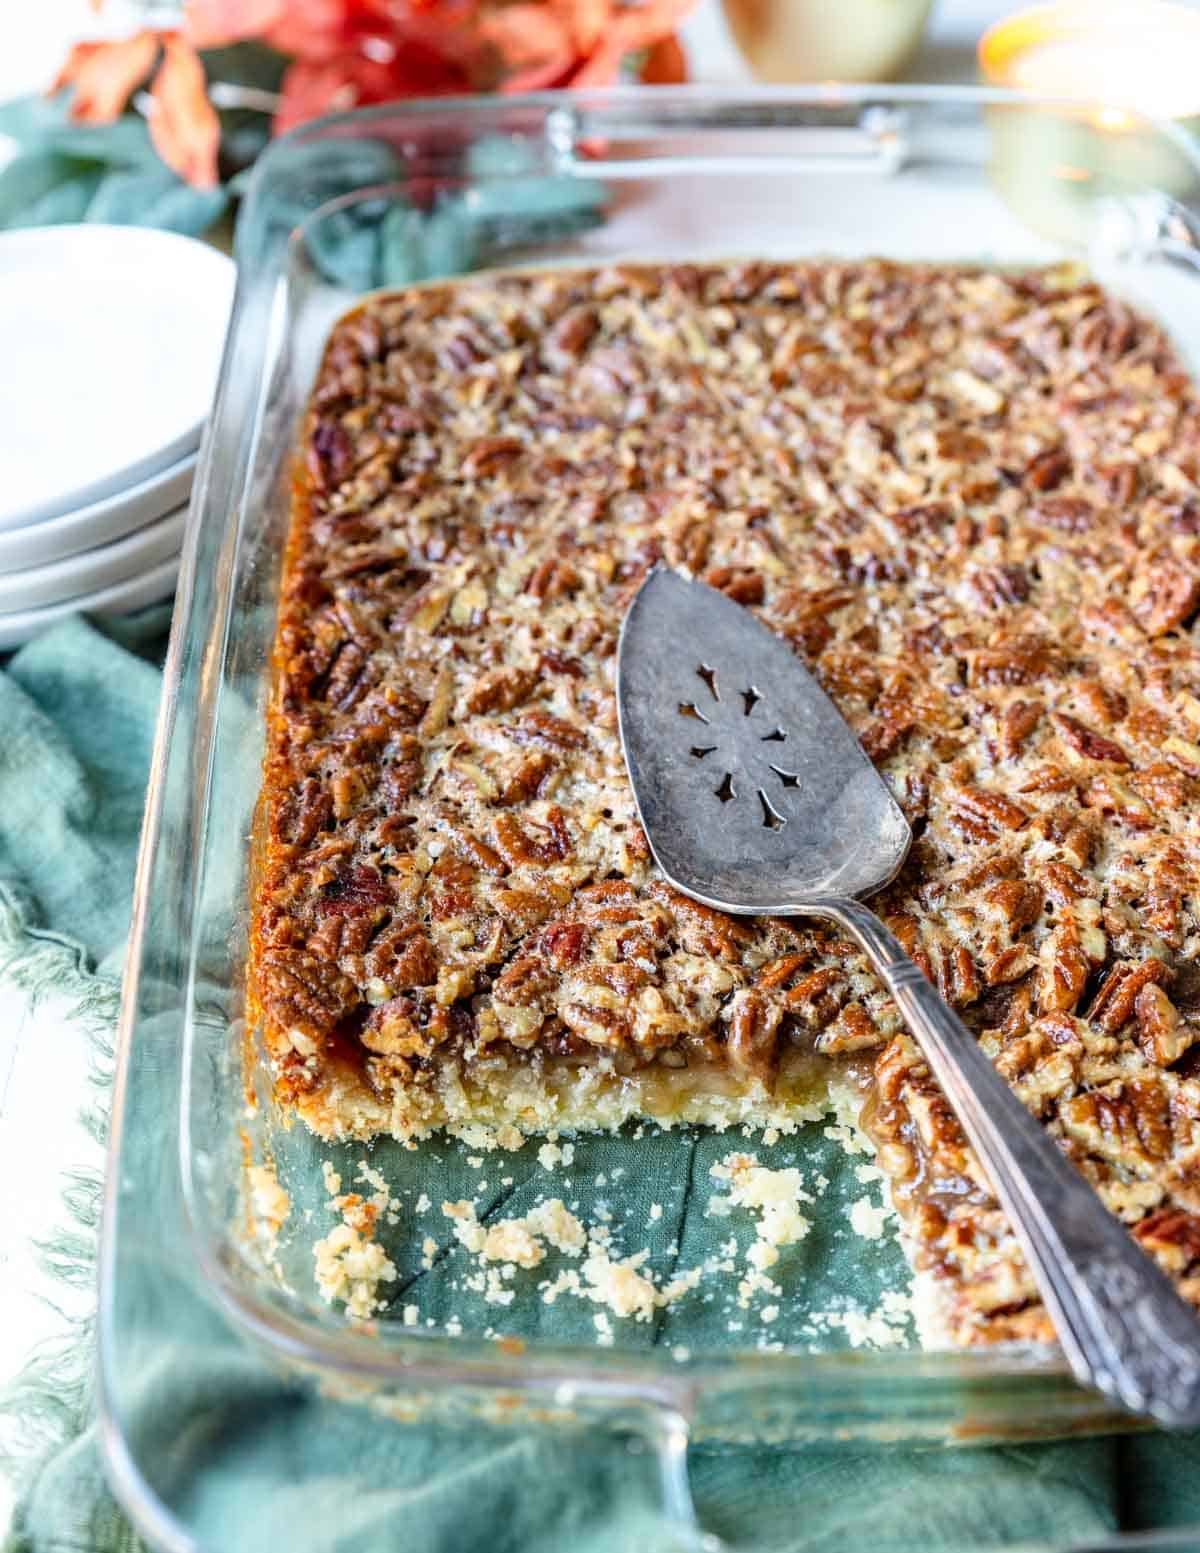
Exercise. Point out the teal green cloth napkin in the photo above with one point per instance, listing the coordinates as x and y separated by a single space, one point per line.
77 709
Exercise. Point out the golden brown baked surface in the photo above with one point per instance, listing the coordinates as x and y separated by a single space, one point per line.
969 500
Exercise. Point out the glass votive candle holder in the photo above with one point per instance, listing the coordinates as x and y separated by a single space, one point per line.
1104 69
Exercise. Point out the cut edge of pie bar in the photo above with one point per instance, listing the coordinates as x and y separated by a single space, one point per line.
970 500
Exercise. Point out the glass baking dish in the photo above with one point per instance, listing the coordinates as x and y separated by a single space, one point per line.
388 197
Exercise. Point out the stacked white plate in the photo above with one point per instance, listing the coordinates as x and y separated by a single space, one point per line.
111 339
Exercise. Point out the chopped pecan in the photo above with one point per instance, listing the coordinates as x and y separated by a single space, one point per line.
1009 965
1086 742
1065 970
490 454
1019 901
999 587
544 728
853 1030
885 735
302 991
350 677
737 583
572 333
359 891
815 998
780 971
1018 722
986 814
1172 597
1162 1035
1048 469
553 578
1102 703
1114 1003
958 980
1172 1237
309 812
473 850
1164 787
554 662
527 779
403 958
1067 514
1023 661
402 776
1064 884
500 690
551 842
1127 1123
331 454
754 1036
565 942
524 981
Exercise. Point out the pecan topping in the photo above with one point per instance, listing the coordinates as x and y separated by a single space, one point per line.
966 497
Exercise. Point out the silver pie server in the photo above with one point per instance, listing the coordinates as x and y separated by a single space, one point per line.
757 798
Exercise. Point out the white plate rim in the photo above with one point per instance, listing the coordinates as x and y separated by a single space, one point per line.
100 522
136 240
102 567
124 597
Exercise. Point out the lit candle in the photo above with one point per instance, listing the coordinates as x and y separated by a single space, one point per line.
1125 63
1142 57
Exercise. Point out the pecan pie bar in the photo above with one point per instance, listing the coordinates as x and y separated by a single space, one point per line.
969 500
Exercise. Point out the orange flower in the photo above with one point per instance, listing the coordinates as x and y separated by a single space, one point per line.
534 46
350 53
586 21
632 29
106 75
183 123
665 63
211 24
316 29
312 87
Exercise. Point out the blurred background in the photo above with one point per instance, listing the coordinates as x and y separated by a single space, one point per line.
948 31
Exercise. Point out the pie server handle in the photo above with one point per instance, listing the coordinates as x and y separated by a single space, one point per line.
1122 1325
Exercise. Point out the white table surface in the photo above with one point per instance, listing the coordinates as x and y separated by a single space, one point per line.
43 1060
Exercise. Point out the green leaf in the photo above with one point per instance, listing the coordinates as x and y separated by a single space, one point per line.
125 142
533 199
157 199
450 241
27 118
44 188
37 190
29 179
501 156
346 249
413 246
401 246
41 124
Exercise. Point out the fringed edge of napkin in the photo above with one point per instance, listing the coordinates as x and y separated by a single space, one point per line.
50 1402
